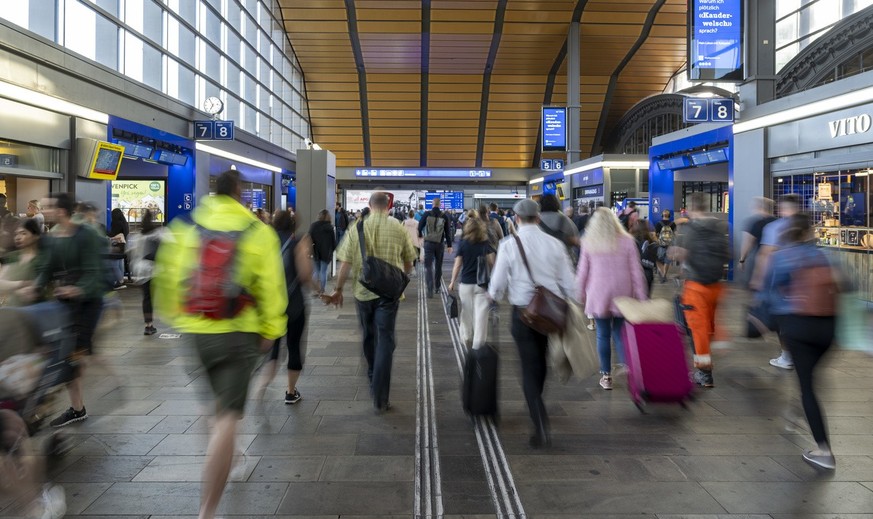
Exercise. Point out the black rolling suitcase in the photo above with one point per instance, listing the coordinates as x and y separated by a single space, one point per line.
479 391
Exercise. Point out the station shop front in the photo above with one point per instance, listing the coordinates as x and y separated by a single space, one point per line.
827 160
604 181
33 158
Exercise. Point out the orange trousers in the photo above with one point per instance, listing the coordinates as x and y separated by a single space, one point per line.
703 300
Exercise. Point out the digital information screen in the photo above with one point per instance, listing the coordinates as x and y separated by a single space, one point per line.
140 151
450 200
554 128
715 42
133 197
709 157
424 173
106 161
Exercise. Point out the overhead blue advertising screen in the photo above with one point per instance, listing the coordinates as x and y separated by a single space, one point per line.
554 128
715 46
449 200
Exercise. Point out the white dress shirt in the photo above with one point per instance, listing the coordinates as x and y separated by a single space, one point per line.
548 260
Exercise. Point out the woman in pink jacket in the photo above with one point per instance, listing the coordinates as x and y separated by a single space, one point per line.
609 267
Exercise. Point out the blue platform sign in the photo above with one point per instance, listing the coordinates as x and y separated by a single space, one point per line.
559 164
554 128
696 110
721 110
213 130
204 130
547 165
715 42
224 130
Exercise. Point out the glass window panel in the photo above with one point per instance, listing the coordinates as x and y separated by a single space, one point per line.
186 9
211 27
264 100
250 59
133 56
233 78
233 46
213 64
232 109
234 13
110 6
264 126
251 32
820 15
275 133
249 92
34 15
80 29
783 56
296 101
187 45
214 3
187 86
172 84
786 30
153 21
784 7
249 118
264 44
264 73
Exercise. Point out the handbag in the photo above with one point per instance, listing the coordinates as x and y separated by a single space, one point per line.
379 276
759 320
573 352
483 271
452 306
546 312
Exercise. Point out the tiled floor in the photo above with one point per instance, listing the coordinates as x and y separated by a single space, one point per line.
735 453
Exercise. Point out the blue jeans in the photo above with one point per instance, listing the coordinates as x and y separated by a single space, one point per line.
378 320
607 328
321 273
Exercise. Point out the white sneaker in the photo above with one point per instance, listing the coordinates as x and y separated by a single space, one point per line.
606 382
52 503
781 362
590 326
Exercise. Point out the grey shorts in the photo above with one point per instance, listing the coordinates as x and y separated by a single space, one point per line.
229 359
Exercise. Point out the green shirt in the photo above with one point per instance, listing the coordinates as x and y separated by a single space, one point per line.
74 260
385 239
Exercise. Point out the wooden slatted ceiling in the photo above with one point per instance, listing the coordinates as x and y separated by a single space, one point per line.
461 31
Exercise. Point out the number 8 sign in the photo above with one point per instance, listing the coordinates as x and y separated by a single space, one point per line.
722 110
224 130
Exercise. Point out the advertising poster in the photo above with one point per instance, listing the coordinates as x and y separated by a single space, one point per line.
716 40
133 197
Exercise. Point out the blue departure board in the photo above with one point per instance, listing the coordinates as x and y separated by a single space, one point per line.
554 128
449 200
424 173
715 43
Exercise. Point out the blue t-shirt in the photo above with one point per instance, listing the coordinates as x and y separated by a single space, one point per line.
773 233
470 253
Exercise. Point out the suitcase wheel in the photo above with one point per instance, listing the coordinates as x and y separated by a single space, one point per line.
640 406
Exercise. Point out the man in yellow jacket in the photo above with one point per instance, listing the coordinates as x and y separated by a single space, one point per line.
228 341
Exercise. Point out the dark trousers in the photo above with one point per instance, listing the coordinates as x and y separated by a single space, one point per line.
433 264
378 322
808 339
294 342
532 352
84 314
147 311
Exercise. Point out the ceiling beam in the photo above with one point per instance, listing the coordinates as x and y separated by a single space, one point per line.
355 40
486 79
613 79
425 78
550 83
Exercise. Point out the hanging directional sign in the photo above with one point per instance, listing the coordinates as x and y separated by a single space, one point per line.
213 130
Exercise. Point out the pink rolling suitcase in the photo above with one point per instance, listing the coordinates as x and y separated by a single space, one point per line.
657 366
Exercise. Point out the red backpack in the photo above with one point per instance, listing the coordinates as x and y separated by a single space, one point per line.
213 291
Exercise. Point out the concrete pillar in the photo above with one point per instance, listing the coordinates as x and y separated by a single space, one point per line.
316 185
760 85
751 178
574 104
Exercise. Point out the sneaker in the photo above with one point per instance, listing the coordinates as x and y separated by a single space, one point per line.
292 398
782 362
606 382
70 416
119 286
379 409
51 503
150 330
703 378
825 461
590 326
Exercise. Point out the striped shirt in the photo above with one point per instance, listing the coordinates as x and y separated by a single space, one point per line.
385 238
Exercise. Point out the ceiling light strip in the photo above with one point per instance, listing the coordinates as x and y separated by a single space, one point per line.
849 99
47 102
236 158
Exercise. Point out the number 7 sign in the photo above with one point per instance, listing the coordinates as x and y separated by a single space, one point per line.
204 130
696 110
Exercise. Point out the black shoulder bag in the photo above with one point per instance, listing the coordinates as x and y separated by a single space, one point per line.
379 276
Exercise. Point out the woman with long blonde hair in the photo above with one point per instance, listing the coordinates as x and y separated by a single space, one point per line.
473 298
609 267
